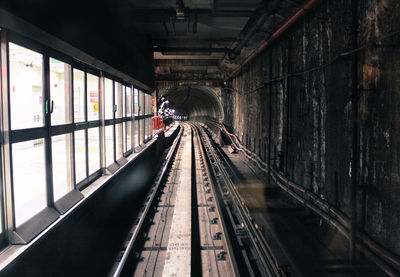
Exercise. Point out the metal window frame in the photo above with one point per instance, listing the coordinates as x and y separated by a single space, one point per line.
71 56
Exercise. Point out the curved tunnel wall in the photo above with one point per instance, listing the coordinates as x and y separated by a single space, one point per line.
199 103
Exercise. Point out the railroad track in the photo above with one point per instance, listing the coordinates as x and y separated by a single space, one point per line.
193 222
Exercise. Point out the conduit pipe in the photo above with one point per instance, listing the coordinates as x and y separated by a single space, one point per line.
380 256
309 5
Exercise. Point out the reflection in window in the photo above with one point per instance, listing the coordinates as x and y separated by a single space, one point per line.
92 97
109 133
80 156
94 149
79 96
26 88
29 179
108 99
62 161
60 92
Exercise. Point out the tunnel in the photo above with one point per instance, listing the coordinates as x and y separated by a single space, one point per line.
199 138
199 103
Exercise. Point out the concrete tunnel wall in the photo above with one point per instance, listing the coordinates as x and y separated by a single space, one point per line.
311 114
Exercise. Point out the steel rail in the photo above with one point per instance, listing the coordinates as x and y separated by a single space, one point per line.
209 233
267 259
217 204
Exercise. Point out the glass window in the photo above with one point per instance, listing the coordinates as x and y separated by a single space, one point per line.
60 92
142 129
118 100
26 88
29 179
118 138
141 103
109 134
80 156
128 101
135 102
108 99
123 103
145 129
94 149
149 127
92 97
62 161
136 133
128 135
124 137
79 96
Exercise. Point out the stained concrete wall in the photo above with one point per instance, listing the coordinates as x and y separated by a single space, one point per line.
306 119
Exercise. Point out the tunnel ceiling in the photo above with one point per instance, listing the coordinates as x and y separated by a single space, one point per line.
194 101
207 39
190 39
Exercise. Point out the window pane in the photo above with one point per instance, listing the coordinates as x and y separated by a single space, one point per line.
124 137
128 135
80 156
149 127
109 144
118 137
135 102
79 96
60 92
108 98
26 88
92 97
141 103
145 128
142 131
118 99
123 102
94 149
136 132
62 161
29 175
128 97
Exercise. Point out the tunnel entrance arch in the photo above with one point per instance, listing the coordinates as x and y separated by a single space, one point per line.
199 103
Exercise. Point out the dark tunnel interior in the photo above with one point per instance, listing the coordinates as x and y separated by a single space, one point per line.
197 102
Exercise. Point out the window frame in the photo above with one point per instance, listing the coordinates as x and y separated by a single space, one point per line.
54 209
